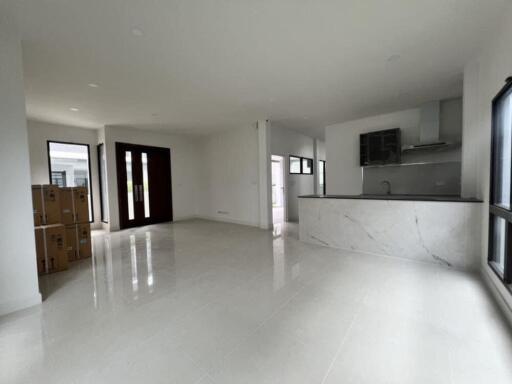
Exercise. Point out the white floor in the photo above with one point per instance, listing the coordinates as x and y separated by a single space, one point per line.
203 302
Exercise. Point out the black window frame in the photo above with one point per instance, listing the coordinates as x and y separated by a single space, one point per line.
48 142
301 159
495 210
324 186
311 165
101 181
290 165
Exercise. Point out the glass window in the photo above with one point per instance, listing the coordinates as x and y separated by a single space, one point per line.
307 166
500 215
499 236
145 184
321 175
295 164
502 143
102 164
69 167
129 184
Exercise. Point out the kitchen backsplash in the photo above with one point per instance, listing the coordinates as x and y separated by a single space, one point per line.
414 179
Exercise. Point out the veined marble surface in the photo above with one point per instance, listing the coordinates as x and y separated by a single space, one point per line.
440 232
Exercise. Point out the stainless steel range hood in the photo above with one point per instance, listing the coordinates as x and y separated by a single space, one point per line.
429 129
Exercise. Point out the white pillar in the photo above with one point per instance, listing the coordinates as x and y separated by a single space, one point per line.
316 179
18 268
265 176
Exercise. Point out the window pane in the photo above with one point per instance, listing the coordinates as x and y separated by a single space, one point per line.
321 173
145 183
129 184
103 186
69 167
307 166
294 164
499 231
502 151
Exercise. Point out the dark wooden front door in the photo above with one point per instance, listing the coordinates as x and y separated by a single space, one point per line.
143 184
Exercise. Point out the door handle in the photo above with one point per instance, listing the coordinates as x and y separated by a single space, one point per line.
136 193
141 194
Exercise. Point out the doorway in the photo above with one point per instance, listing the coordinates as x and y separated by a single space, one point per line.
144 185
278 190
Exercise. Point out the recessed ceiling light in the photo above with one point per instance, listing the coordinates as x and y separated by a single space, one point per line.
93 85
137 32
393 58
73 109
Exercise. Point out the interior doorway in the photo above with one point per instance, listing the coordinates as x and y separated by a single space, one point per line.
144 185
278 190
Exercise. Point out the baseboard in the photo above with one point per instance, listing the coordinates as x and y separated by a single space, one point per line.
227 220
505 303
16 305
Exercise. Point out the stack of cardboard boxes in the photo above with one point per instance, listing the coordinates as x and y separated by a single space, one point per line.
62 229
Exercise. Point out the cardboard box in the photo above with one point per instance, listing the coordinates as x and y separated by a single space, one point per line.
71 242
84 240
37 205
51 204
40 251
67 207
51 248
81 202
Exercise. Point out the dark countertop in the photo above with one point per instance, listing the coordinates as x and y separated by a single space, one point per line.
455 199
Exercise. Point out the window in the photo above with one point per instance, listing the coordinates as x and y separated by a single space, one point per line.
500 213
321 175
295 165
69 166
301 165
307 166
102 172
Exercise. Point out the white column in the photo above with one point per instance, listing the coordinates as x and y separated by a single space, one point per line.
265 182
18 268
315 166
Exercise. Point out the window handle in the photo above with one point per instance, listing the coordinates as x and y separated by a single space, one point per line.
141 195
136 193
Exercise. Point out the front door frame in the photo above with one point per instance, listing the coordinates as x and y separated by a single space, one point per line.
124 222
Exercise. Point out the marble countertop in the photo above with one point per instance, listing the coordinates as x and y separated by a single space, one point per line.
456 199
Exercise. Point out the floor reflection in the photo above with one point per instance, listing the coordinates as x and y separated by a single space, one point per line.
149 261
133 259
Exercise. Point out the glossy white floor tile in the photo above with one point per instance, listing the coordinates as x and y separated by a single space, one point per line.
212 303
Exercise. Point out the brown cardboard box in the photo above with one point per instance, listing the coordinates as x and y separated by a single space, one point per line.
81 202
71 235
40 251
51 201
67 209
84 240
37 205
51 248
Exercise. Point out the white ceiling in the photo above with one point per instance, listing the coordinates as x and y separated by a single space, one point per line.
202 65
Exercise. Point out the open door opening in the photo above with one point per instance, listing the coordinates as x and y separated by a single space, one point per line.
278 190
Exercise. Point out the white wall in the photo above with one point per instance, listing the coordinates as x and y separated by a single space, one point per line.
184 168
38 135
18 268
229 176
286 142
344 174
484 76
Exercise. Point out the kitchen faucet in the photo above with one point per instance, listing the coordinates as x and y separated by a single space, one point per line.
386 184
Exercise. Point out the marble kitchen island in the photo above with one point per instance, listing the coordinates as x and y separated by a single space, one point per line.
438 229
